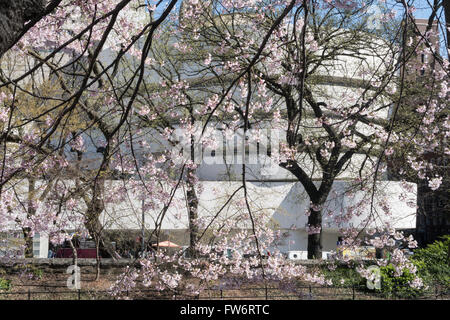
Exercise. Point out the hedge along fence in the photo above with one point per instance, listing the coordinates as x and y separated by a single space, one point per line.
310 292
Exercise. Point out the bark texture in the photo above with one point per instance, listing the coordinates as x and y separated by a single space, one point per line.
13 15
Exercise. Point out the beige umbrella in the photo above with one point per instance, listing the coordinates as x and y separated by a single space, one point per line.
167 244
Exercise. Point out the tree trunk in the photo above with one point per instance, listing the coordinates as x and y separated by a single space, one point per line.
192 202
31 211
97 257
13 15
28 242
93 224
95 229
315 237
74 252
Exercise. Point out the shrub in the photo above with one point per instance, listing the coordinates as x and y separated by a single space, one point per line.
344 276
37 273
391 286
398 286
5 284
433 262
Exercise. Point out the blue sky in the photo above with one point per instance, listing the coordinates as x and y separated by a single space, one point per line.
423 9
422 6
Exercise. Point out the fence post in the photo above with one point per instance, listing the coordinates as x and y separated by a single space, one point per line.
79 294
267 298
221 294
29 294
353 292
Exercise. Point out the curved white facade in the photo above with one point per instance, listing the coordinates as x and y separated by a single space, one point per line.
276 193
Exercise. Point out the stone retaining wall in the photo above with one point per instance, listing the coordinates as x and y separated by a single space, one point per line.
60 265
107 266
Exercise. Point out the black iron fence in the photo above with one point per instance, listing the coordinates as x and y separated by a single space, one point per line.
306 292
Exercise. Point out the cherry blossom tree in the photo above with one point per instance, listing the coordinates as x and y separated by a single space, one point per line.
106 73
291 66
74 96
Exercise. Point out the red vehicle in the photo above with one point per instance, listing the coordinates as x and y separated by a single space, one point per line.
81 253
85 249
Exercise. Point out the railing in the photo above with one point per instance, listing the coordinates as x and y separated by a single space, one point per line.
308 292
